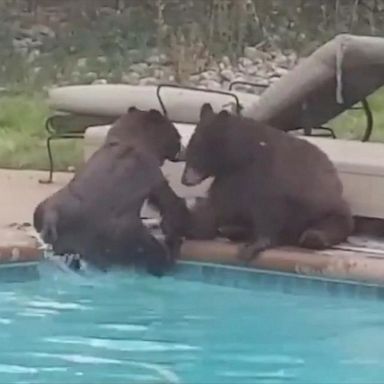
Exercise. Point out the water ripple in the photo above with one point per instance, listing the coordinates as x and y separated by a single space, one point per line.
279 374
145 330
57 305
123 345
16 369
164 373
124 327
80 359
266 359
38 312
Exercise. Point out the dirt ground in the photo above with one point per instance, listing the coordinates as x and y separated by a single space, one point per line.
21 191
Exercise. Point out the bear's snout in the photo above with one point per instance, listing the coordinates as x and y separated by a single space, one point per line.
191 177
181 155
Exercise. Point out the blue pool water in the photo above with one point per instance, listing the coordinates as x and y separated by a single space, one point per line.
127 328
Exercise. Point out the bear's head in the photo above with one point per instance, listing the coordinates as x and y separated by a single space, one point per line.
219 144
149 129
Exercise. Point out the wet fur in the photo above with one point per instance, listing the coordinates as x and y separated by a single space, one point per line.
97 214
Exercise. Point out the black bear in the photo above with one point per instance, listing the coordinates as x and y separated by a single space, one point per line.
97 214
269 188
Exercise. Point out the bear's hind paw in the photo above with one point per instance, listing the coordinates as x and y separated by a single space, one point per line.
314 239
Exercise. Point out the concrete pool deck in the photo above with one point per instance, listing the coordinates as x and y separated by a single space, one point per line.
21 191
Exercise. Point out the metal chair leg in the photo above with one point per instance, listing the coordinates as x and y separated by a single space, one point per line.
49 149
312 132
369 117
330 130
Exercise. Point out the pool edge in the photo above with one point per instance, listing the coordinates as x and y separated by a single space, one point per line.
19 248
363 267
20 255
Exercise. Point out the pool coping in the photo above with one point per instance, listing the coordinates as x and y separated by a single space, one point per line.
363 266
19 247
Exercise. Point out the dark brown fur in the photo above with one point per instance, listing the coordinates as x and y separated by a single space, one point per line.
97 214
269 187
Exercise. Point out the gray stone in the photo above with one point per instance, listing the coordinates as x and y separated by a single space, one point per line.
210 84
264 72
153 52
292 59
148 81
251 53
135 56
75 76
253 70
260 80
91 76
227 74
281 71
37 70
100 82
132 78
164 59
43 30
245 62
226 61
82 62
22 45
25 33
285 61
163 72
225 84
36 44
210 75
194 79
140 68
242 88
158 73
33 55
155 59
238 76
273 79
102 59
17 44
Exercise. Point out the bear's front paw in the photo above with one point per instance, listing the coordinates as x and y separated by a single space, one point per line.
173 246
314 239
249 252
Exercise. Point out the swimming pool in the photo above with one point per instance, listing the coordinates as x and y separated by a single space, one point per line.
127 328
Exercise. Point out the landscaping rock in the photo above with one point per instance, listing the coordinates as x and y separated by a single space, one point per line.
132 78
140 68
100 82
227 75
148 81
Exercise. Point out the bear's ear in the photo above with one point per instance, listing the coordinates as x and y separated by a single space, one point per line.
155 115
206 111
224 114
132 109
